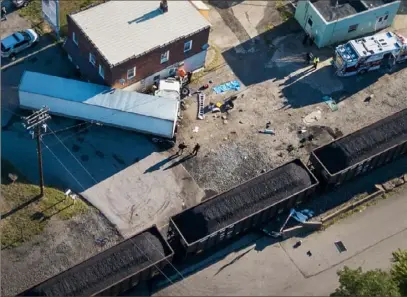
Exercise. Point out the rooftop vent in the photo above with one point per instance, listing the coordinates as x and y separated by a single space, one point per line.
164 6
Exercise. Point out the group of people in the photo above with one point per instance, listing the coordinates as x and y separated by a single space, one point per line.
183 146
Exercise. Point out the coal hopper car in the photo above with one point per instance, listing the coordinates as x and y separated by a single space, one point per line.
113 271
362 151
241 208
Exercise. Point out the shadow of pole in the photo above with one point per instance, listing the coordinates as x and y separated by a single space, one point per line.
21 206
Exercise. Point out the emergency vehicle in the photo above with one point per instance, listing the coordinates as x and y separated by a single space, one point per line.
370 53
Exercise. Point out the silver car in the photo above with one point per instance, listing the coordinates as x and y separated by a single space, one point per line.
17 42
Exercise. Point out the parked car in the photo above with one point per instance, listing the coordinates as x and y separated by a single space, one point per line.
21 3
17 42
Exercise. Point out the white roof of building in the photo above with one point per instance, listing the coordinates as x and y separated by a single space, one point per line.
93 94
123 29
379 43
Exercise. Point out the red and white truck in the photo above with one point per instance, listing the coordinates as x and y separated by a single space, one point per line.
370 53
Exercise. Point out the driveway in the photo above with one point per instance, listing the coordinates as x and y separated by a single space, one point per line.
125 175
264 268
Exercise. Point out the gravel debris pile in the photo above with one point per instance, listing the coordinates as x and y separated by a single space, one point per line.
107 268
242 201
364 143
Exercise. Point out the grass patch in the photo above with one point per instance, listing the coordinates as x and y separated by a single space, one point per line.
196 77
32 218
32 12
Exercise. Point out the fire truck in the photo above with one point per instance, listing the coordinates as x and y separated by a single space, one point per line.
370 53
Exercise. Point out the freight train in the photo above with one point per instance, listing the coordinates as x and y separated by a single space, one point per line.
232 213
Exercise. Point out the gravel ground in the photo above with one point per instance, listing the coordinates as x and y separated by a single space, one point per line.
364 143
62 245
243 200
93 276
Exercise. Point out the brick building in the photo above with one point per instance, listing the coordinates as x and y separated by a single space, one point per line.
131 44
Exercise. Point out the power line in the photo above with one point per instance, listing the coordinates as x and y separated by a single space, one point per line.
60 162
34 123
80 163
135 244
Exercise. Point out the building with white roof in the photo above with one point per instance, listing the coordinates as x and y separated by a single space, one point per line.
98 103
122 43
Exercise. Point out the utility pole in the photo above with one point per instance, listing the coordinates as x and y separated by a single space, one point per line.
34 123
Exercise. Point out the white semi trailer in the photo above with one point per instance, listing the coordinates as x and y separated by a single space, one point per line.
156 115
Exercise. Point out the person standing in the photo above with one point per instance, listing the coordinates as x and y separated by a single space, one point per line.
196 149
181 148
316 61
4 13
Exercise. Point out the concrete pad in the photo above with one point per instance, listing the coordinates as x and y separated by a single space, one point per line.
250 15
221 35
357 233
119 172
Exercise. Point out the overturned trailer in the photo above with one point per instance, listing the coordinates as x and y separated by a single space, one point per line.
361 151
241 208
113 271
96 103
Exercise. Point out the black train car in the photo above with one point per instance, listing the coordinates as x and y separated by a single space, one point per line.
361 151
241 208
113 271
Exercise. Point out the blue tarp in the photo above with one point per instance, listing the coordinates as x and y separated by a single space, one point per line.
301 216
232 85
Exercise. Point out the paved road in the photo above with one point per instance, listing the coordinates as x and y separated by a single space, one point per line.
278 269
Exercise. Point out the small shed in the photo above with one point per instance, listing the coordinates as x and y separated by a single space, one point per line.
97 103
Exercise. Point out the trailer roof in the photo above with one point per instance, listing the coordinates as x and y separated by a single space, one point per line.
125 29
364 143
242 201
107 268
98 95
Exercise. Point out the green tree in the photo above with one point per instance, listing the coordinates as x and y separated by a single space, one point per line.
399 270
354 282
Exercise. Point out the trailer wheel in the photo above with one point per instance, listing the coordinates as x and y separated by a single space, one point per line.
185 92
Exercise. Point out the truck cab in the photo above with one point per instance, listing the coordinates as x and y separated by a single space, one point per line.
169 88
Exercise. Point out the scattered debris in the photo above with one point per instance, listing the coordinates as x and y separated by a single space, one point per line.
309 254
224 117
331 103
310 137
196 129
267 131
313 117
280 154
225 138
233 132
290 148
302 131
225 122
240 122
201 104
297 244
388 186
12 177
368 98
340 246
268 124
210 81
240 110
232 85
379 187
